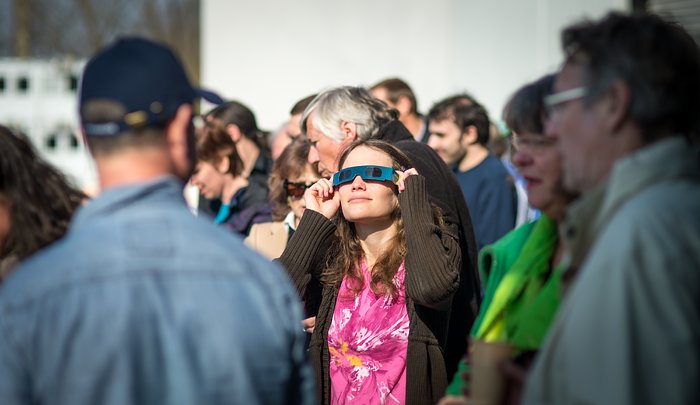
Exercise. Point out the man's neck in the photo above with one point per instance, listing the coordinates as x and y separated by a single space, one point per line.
249 153
132 166
414 124
475 154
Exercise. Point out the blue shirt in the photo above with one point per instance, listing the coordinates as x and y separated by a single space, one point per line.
142 303
491 197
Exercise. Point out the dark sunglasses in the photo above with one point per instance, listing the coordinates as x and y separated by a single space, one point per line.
377 173
296 190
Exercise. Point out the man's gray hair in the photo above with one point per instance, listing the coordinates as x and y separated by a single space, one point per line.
352 104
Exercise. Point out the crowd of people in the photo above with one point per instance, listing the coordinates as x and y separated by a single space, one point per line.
365 253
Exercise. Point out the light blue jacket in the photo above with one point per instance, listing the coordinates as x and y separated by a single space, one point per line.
142 303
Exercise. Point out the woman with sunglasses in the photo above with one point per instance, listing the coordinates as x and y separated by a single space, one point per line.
389 271
291 176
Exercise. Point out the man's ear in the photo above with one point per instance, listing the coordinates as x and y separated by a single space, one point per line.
349 130
234 132
617 105
176 134
469 136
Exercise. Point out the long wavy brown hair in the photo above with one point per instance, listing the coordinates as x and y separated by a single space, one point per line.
41 200
346 253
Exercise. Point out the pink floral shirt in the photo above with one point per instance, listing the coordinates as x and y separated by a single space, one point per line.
368 341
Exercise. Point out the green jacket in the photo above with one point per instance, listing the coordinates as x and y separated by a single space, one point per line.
521 297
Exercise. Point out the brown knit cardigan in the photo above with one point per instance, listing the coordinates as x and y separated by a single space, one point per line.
432 278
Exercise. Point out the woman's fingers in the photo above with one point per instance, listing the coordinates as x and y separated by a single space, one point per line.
403 175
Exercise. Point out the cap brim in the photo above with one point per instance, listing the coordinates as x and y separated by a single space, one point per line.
210 96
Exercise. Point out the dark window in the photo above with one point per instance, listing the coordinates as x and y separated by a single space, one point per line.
2 84
73 83
61 139
23 84
51 142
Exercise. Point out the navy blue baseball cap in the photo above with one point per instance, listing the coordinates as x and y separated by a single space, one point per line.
143 77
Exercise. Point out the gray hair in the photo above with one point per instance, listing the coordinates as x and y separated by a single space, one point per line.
351 104
658 60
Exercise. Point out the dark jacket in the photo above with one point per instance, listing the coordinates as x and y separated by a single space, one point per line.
444 191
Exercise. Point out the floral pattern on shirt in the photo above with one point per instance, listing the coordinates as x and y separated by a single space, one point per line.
368 342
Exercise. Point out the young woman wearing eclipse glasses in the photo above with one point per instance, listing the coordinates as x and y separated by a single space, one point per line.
382 255
290 177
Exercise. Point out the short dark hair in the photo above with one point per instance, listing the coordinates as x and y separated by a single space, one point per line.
657 59
41 200
237 113
396 88
106 111
464 111
300 106
525 110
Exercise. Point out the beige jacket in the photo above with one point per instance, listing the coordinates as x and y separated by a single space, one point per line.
268 238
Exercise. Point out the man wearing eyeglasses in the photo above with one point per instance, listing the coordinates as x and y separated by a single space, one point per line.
623 112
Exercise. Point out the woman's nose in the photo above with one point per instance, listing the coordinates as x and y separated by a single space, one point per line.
358 183
522 158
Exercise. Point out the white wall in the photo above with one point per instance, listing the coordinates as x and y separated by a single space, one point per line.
47 107
269 54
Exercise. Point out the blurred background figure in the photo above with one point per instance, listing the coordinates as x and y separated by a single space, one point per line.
291 176
219 175
36 201
292 129
460 133
397 94
521 270
238 122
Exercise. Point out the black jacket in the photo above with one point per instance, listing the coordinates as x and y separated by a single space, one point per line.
444 191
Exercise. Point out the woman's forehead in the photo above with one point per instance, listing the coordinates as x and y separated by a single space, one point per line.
363 155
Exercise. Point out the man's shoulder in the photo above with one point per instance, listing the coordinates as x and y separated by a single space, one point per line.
491 168
160 245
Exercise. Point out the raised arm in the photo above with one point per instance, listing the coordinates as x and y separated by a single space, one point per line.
433 258
305 254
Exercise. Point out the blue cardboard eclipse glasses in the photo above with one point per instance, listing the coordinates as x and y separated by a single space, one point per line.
378 173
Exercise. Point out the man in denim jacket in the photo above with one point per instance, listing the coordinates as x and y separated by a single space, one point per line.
142 303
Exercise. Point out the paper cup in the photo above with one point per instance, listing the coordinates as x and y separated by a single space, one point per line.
487 382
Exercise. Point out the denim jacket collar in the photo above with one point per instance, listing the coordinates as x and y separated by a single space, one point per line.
164 189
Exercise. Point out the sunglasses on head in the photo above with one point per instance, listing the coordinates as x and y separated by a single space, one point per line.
296 190
378 173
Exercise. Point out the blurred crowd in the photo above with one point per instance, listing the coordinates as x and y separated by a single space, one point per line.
364 252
